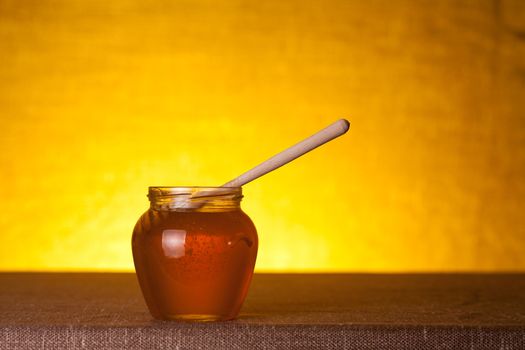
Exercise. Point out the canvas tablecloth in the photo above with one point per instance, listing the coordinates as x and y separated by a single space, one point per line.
282 311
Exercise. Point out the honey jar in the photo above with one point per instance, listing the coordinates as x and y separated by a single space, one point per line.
194 251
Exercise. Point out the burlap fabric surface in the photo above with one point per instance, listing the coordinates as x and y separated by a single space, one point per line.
106 311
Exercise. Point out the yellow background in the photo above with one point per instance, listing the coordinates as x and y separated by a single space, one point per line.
100 99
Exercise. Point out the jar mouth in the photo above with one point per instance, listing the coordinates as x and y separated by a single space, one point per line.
177 188
200 198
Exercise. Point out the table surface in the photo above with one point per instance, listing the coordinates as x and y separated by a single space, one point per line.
85 310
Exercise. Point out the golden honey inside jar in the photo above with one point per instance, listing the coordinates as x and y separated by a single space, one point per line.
194 252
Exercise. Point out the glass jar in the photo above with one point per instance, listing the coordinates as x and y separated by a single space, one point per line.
194 252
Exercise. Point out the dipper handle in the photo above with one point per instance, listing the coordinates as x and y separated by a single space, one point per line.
319 138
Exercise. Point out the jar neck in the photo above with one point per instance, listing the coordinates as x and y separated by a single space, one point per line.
195 199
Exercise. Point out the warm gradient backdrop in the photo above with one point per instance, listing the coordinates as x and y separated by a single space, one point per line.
100 99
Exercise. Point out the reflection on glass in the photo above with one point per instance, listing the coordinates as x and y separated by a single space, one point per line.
173 243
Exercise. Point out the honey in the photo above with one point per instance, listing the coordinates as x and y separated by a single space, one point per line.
194 259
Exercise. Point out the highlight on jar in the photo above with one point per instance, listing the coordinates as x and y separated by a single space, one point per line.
195 249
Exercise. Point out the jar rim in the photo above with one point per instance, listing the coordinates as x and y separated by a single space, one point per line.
198 187
194 191
194 197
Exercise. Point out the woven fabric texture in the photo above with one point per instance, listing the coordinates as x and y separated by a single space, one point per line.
106 311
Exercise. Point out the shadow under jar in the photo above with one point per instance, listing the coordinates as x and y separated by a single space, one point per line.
194 252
